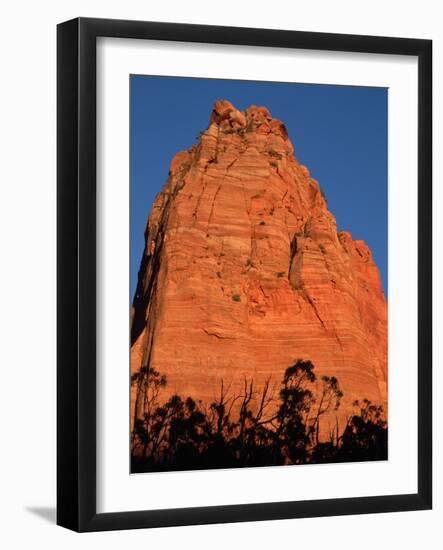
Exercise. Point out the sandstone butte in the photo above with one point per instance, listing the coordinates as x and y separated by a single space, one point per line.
244 272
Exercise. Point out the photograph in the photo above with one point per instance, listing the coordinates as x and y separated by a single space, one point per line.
258 271
219 224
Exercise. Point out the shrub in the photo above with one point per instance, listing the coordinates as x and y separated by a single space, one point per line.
268 427
236 297
274 154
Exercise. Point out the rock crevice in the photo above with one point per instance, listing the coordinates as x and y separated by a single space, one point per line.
244 271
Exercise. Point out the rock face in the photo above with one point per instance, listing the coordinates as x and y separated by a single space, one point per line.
244 272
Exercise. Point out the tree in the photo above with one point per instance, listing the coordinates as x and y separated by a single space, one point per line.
366 434
253 428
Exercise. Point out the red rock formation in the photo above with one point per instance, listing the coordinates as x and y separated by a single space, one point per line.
244 271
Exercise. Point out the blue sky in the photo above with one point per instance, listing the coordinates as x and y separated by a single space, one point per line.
338 132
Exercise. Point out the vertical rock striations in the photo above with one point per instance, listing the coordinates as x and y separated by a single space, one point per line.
244 271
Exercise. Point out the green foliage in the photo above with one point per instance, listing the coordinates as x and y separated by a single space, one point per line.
236 297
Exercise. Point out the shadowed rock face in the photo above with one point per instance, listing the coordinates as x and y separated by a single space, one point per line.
244 271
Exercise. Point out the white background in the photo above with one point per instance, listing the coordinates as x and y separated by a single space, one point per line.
117 490
27 229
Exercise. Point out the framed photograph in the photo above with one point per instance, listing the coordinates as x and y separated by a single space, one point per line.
244 274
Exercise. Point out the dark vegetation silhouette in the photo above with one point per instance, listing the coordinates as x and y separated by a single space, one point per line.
253 427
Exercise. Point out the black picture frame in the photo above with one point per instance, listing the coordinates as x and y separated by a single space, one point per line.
76 281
